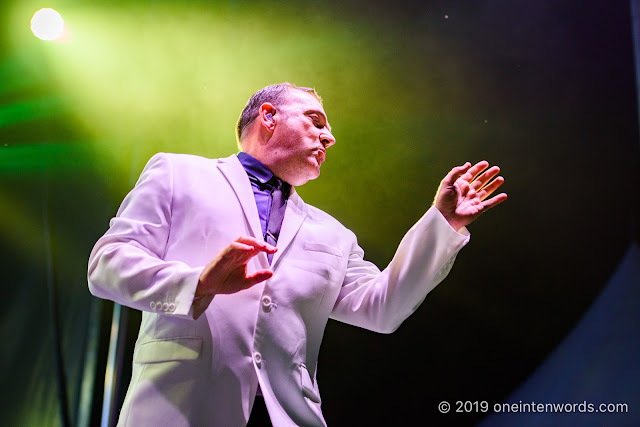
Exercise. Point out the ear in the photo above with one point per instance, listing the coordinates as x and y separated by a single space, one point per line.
266 114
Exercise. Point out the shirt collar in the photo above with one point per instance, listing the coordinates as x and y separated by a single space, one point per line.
255 167
258 171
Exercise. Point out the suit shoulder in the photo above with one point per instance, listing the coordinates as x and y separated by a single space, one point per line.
184 164
320 216
181 159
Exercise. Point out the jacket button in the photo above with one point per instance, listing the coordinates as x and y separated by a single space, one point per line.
266 303
165 306
257 357
152 304
172 307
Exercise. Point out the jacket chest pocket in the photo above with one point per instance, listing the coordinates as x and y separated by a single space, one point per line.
325 261
322 248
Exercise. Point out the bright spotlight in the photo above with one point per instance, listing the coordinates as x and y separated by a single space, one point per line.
47 24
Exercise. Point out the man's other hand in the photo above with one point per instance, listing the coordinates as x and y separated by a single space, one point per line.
464 193
227 272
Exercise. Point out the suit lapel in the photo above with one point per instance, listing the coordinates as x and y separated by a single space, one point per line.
294 216
233 171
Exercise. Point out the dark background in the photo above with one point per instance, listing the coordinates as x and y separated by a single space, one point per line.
545 89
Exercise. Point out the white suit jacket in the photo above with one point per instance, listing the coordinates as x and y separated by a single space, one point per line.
205 372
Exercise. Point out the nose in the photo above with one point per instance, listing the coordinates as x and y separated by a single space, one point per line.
327 139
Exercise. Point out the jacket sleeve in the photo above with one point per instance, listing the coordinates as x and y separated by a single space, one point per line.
126 265
381 301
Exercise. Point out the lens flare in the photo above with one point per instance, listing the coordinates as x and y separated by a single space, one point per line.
47 24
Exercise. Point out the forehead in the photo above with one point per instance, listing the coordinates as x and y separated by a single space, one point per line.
298 99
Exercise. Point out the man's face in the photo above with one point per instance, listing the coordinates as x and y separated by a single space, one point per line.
300 138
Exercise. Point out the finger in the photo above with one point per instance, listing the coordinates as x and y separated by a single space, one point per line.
488 189
463 187
465 190
494 201
475 170
487 176
257 244
240 247
471 194
257 277
455 173
237 254
251 241
241 253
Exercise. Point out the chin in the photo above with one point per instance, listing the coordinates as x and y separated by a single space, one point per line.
301 179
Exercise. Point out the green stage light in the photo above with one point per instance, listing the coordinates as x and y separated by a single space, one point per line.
47 24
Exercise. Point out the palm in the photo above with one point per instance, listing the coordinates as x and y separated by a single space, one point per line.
464 193
233 279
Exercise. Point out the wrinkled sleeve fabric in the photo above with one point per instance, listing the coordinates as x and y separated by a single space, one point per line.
126 265
381 301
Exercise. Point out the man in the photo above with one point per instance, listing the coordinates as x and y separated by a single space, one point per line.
228 317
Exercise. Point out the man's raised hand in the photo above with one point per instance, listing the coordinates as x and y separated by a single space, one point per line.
464 193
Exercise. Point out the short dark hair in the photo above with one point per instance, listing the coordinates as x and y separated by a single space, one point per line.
275 94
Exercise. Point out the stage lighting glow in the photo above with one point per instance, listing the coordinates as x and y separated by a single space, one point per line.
47 24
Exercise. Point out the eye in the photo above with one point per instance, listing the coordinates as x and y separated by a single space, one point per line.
316 122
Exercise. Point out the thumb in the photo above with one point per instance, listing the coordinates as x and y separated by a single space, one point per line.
456 173
257 277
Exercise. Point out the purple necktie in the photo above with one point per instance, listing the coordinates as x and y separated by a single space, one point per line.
276 215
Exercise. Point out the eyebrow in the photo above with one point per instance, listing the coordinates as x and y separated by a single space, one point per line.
321 114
